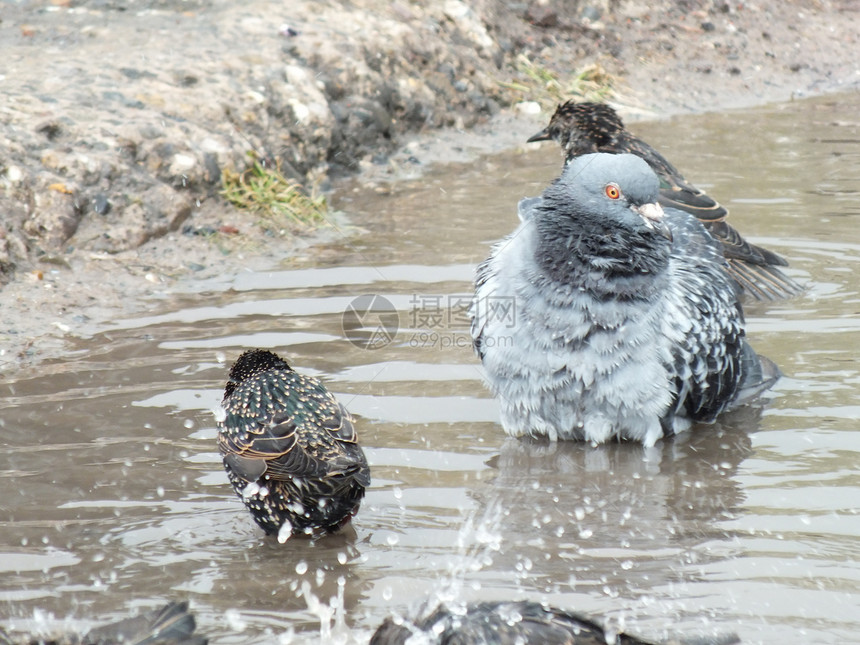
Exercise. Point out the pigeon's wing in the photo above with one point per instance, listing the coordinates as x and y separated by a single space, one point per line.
705 321
478 308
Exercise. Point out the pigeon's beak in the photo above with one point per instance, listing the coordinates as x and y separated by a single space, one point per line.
543 135
653 216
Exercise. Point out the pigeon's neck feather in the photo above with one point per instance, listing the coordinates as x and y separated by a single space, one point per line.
607 263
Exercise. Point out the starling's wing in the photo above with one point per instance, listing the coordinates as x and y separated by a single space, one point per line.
344 457
506 622
675 191
287 426
168 625
261 424
752 267
258 435
511 622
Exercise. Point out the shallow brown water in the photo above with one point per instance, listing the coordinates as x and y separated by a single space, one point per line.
113 495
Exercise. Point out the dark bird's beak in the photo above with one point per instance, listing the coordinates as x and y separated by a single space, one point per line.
543 135
653 216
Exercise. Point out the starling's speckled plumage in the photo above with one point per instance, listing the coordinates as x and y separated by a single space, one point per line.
585 128
171 624
289 448
511 623
602 317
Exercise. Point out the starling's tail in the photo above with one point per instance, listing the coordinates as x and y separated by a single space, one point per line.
762 281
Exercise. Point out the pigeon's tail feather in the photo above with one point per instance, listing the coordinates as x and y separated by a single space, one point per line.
762 282
759 374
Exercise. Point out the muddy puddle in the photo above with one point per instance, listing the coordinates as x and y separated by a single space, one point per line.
113 496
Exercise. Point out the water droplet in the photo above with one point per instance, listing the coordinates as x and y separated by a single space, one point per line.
189 423
250 490
302 568
160 491
392 539
398 492
586 533
234 620
387 593
342 558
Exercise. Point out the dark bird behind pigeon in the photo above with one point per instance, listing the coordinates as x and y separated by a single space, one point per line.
171 624
603 317
511 623
585 128
289 448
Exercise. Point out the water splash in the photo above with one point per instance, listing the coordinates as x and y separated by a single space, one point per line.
332 615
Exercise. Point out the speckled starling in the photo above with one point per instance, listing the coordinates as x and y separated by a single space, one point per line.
603 317
512 623
289 448
171 624
584 128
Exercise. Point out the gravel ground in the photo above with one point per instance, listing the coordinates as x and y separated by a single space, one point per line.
120 116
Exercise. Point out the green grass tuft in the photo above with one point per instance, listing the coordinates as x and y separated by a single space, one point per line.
282 204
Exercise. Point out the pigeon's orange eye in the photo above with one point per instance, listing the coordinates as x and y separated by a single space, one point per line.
612 191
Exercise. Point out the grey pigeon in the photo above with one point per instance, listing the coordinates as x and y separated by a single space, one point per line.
583 128
603 317
512 623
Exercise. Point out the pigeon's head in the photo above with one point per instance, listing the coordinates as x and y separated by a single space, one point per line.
581 128
610 192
